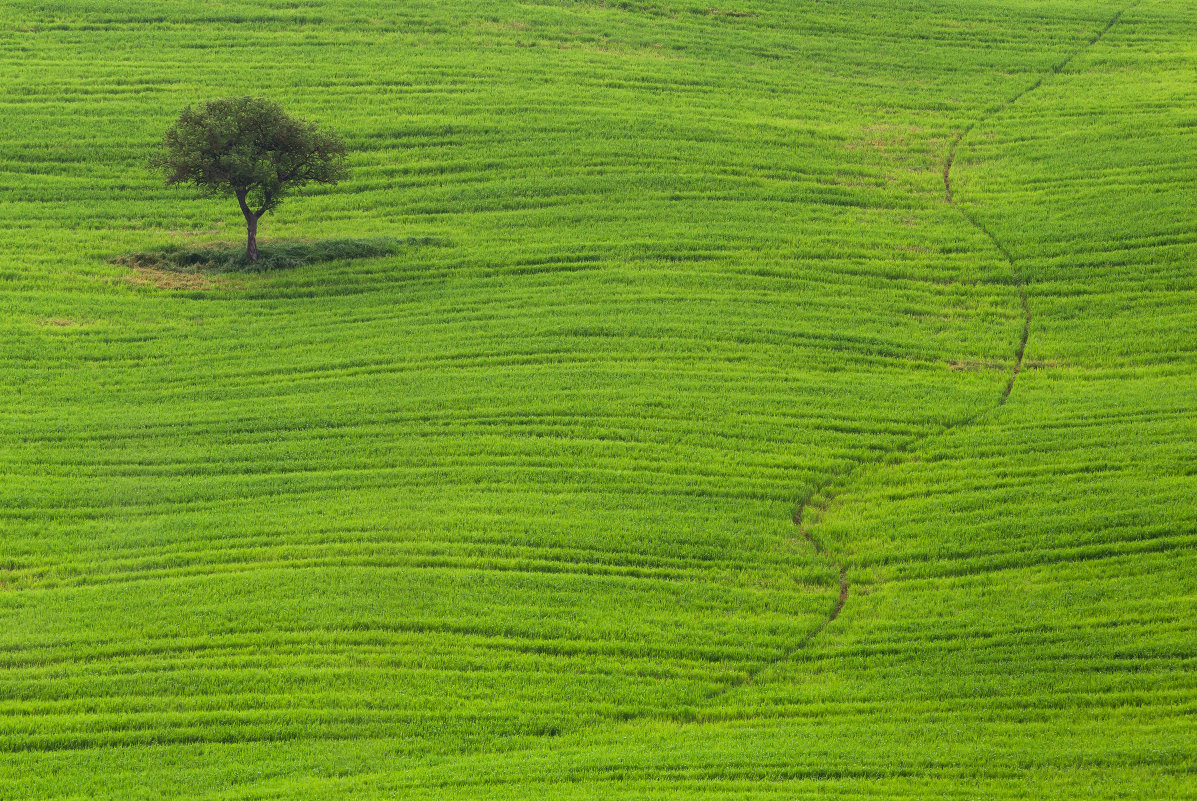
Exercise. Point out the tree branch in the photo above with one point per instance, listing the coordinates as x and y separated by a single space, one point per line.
245 209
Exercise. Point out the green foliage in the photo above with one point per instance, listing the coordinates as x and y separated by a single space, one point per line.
506 513
249 148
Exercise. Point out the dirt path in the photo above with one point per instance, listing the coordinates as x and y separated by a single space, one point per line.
820 499
825 492
822 551
980 226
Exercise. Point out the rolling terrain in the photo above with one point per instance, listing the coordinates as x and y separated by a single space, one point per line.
786 400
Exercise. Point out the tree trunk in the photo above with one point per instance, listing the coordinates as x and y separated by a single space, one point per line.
251 228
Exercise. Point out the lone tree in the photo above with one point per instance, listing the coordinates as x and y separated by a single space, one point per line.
251 149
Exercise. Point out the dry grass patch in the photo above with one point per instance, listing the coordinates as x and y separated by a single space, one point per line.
159 278
973 365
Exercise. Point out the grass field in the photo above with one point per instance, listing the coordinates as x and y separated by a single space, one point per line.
509 512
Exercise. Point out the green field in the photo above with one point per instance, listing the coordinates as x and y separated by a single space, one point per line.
510 513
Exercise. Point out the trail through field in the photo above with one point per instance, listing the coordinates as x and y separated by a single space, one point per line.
820 499
980 226
816 504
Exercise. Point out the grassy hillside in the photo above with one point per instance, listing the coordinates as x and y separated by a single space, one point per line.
510 512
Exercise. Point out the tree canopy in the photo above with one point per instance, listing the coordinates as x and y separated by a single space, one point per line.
249 148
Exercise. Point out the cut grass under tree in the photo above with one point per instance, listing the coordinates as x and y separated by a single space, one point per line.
280 255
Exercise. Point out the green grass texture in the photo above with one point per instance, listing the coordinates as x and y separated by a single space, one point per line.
488 488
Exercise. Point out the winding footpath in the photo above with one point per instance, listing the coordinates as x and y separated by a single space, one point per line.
826 492
812 507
